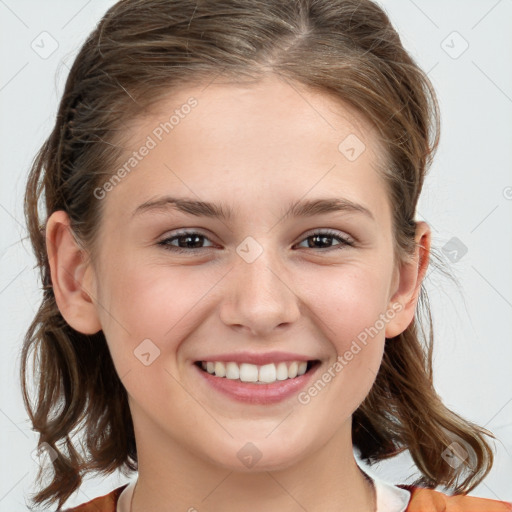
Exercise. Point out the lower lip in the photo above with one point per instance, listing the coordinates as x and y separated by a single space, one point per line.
250 392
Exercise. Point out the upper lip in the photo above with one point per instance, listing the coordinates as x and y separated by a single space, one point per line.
257 358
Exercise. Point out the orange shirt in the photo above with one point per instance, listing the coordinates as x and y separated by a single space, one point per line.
422 500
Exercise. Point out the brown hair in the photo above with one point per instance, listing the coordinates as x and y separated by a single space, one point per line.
141 50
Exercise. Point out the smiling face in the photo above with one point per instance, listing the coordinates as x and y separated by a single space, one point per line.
263 280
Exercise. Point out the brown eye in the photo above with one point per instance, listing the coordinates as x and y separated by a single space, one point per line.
187 241
324 238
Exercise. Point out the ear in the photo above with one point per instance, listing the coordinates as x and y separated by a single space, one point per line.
407 283
72 278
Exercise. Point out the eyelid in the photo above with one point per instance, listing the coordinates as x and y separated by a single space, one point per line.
329 232
184 232
343 238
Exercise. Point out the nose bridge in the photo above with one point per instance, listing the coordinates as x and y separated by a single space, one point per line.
260 298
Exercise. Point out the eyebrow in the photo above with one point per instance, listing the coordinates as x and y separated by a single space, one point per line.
300 208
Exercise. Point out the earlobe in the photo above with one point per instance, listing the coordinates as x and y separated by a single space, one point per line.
72 277
410 278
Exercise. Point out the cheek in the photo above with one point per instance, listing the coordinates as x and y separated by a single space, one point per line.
350 301
145 301
350 305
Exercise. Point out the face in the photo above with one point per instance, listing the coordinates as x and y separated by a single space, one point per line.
175 286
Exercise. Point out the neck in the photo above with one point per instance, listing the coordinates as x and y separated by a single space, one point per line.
172 478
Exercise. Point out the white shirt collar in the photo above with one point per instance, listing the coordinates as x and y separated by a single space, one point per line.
390 498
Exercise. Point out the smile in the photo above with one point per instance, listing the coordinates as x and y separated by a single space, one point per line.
263 374
256 384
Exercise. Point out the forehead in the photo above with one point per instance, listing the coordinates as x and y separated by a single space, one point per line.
271 138
264 108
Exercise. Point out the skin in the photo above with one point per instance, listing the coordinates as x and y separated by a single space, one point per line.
255 148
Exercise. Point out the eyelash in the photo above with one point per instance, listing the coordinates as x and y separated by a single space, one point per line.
325 233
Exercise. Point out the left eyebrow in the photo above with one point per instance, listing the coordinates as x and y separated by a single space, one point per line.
299 208
328 205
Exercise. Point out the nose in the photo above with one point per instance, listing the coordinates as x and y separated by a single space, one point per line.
260 297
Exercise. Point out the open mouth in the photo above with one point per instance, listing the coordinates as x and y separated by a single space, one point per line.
257 374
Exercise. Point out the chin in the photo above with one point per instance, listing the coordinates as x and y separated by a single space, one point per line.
257 456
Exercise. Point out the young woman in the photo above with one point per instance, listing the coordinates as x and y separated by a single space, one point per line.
232 267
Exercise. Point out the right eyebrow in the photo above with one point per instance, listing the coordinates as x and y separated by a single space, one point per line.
192 207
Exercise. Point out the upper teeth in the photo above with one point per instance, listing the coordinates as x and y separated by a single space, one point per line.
252 373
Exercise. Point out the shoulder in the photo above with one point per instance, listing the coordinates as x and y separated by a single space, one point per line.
428 500
106 503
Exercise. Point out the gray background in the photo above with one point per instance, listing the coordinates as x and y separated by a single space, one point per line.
466 47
